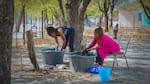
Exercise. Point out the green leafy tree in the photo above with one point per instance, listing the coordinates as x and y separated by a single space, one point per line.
33 10
92 9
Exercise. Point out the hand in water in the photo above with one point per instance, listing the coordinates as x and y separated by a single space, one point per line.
61 49
56 49
84 51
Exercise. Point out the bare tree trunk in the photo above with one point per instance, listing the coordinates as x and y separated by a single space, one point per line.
19 20
24 39
6 24
42 24
62 11
30 45
111 19
106 23
100 20
31 23
46 18
52 19
112 5
104 7
75 15
111 12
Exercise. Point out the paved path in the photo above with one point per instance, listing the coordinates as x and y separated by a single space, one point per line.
138 56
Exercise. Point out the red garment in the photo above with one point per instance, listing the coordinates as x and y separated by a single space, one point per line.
107 46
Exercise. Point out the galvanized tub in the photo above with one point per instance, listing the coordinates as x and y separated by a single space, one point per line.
81 63
51 56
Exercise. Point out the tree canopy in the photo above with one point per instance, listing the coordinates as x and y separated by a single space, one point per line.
34 7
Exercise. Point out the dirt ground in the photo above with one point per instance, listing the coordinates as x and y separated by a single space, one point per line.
22 70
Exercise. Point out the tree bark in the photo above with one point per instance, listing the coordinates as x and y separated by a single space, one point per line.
30 45
24 29
42 24
100 20
75 15
19 20
106 23
111 12
62 11
112 5
104 7
6 24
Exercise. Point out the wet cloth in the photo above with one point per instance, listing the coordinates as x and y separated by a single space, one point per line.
107 46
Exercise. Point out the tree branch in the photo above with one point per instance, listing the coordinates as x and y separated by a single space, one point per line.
61 9
54 12
83 6
146 10
101 9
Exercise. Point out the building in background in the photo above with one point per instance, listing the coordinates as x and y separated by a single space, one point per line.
132 17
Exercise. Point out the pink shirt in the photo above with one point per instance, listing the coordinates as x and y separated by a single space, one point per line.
107 46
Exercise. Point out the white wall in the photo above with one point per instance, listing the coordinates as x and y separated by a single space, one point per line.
129 19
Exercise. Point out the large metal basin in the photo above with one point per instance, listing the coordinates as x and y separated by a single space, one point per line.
51 56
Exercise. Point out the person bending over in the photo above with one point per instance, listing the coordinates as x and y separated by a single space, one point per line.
66 34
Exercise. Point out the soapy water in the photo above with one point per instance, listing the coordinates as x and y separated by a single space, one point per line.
82 53
85 53
53 50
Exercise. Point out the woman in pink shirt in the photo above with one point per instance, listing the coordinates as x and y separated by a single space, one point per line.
105 45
